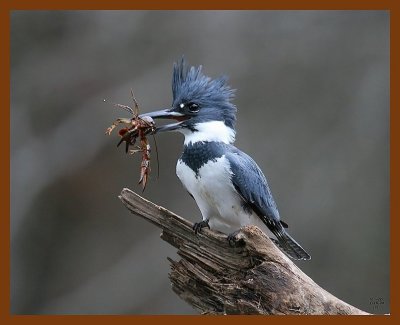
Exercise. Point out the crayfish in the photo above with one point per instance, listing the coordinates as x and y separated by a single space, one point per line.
136 127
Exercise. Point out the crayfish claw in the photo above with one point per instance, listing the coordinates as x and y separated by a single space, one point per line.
143 181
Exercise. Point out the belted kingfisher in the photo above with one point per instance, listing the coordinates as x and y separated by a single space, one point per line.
228 186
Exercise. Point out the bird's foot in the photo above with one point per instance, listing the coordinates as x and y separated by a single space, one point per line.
234 240
200 225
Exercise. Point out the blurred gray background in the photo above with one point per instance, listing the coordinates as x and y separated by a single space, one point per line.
313 100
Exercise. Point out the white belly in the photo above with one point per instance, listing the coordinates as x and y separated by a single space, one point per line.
216 196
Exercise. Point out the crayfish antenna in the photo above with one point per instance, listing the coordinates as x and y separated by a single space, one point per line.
158 162
136 112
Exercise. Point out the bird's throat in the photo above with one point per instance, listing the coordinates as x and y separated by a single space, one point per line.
209 131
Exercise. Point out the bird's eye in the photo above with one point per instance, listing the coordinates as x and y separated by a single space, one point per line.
193 107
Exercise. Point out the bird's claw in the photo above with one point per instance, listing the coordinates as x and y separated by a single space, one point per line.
200 225
234 240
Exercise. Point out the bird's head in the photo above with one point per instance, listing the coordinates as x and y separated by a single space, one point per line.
202 107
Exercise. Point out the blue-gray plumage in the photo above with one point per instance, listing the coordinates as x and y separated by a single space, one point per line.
227 184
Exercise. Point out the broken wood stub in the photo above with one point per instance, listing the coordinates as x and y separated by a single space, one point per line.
254 277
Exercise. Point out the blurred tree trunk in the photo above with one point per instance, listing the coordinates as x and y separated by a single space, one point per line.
254 277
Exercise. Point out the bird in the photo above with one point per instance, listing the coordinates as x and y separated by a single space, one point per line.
228 186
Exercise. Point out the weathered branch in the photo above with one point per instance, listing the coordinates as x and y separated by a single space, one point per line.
254 277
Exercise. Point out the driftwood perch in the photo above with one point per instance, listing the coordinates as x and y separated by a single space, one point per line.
254 277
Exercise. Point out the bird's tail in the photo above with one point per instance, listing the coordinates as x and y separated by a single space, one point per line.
289 246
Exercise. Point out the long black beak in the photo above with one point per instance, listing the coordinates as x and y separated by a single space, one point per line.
167 114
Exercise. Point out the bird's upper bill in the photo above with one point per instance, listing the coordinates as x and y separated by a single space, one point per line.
197 99
168 113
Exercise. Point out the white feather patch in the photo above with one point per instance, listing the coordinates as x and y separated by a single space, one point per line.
209 131
216 196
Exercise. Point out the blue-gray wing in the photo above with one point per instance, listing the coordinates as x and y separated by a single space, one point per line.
250 182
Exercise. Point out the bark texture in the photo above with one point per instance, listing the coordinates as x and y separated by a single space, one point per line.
254 277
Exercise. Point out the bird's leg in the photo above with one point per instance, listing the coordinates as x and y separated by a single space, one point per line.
199 225
233 240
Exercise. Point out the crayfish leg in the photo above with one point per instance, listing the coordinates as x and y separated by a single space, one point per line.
117 122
